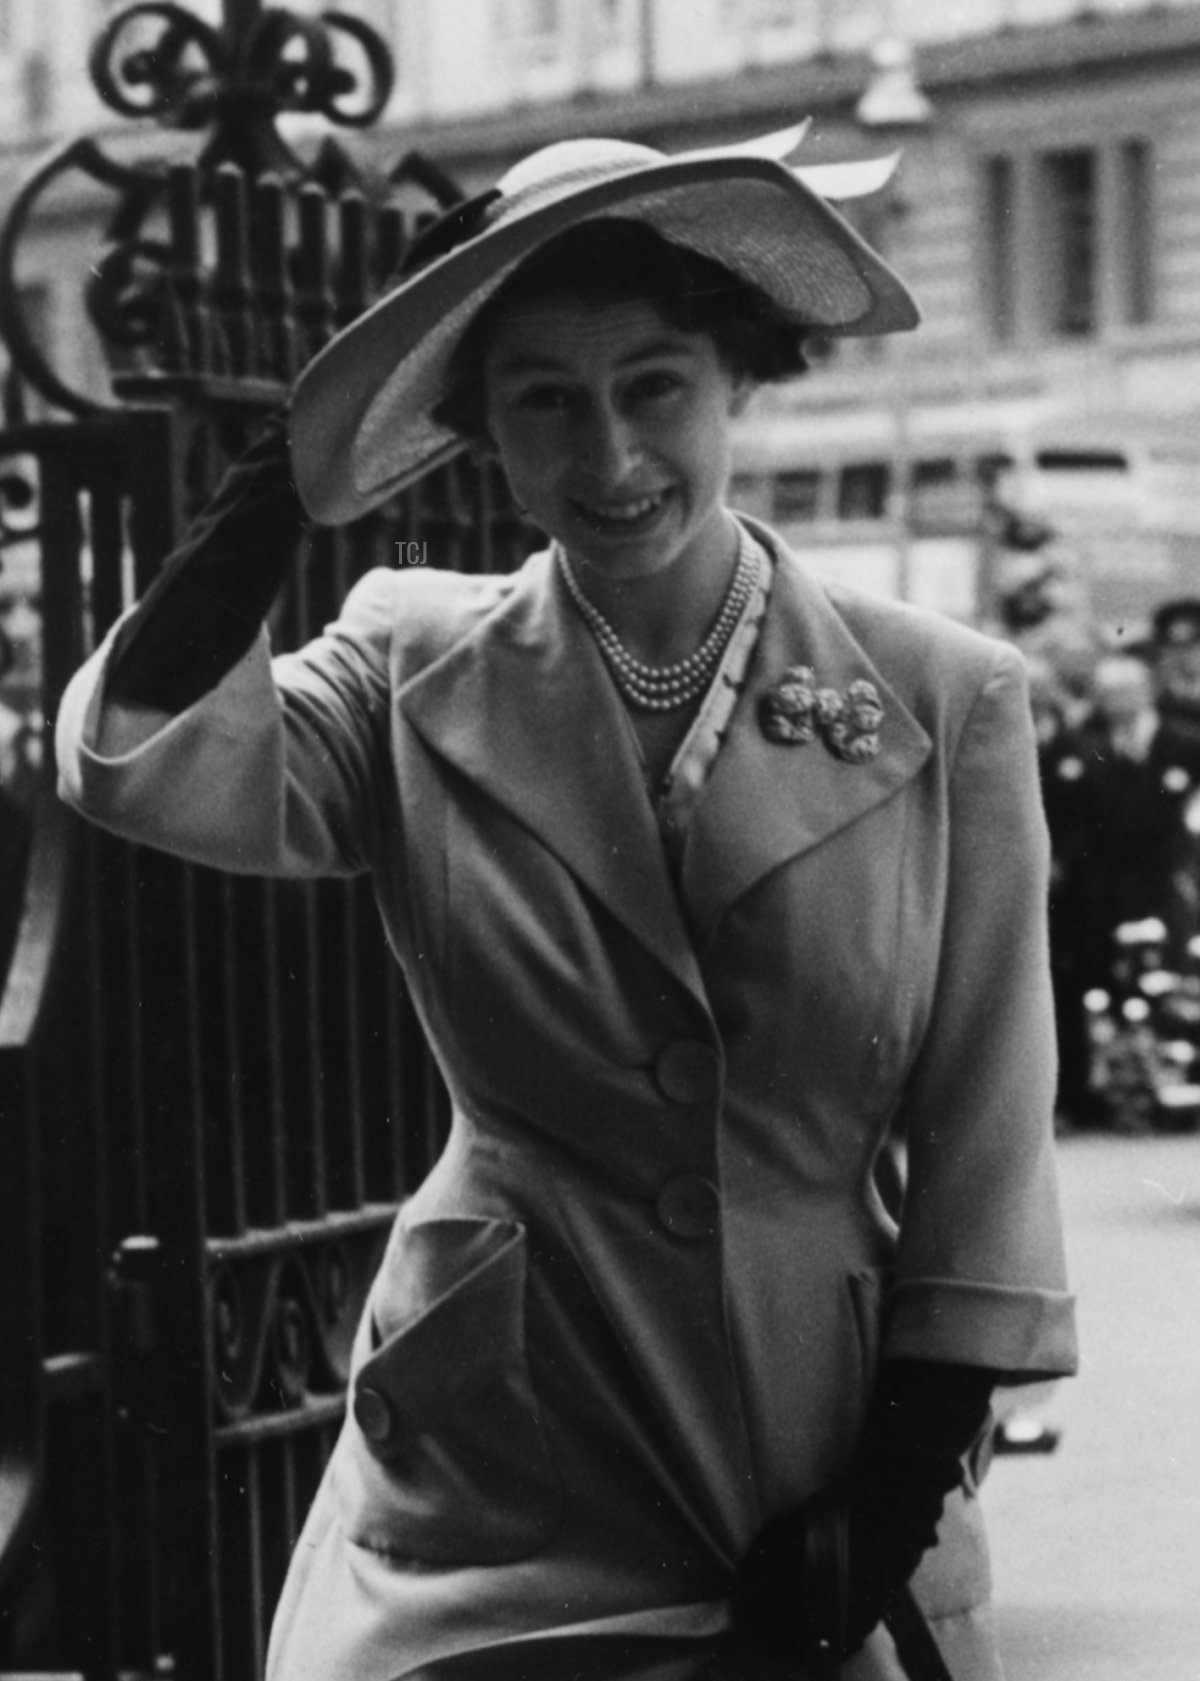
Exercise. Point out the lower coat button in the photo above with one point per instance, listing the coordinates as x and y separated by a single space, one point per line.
689 1206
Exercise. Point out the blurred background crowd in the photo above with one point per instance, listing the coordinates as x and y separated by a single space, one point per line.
1117 718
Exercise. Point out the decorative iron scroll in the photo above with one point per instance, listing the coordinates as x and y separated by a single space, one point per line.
146 286
284 1311
156 59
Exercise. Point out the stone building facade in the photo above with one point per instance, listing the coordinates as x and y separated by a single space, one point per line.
1047 215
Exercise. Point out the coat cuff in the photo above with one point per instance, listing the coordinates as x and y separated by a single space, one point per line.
1027 1334
205 786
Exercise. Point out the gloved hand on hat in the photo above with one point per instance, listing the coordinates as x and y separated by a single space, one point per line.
204 609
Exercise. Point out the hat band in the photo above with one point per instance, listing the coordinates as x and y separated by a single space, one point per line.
452 229
466 220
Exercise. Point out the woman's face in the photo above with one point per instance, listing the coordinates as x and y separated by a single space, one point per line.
613 429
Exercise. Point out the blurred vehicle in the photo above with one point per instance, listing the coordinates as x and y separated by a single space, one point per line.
929 504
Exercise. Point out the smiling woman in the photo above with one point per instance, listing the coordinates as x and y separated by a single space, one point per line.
604 375
680 852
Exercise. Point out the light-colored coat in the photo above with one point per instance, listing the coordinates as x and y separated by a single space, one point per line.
637 1306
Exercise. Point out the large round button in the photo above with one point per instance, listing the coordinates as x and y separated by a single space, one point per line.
689 1206
688 1071
374 1414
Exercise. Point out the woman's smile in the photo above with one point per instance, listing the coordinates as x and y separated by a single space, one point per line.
623 517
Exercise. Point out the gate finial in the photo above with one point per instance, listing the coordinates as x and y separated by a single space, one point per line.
155 59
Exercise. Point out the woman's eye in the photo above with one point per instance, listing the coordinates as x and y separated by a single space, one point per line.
649 387
544 399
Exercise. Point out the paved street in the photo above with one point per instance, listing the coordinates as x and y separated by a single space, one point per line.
1097 1547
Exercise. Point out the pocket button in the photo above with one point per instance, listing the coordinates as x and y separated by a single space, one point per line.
688 1207
373 1414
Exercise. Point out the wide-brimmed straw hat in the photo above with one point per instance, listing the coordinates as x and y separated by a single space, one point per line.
362 424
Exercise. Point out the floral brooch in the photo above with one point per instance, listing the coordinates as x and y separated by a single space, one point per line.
796 710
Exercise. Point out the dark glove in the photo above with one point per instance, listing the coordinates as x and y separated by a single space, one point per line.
923 1417
204 609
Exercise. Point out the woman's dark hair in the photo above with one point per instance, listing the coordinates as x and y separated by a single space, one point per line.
612 260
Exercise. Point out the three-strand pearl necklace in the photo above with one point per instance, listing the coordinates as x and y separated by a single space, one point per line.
665 688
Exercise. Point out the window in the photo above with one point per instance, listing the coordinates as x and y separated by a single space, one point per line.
610 20
1000 244
780 14
1135 228
863 491
796 495
543 18
944 497
750 493
776 31
534 30
1068 240
989 469
1082 461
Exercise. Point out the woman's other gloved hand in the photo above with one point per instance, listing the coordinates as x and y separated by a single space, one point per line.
882 1518
204 609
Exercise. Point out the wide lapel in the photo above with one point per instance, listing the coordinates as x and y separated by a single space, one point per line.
765 802
524 707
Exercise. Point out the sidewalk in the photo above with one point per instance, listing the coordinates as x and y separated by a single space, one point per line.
1096 1547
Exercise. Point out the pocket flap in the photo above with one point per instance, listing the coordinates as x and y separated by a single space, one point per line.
455 1290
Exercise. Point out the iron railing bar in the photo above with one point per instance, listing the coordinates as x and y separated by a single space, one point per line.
289 1496
192 1549
139 1116
297 1234
22 1312
314 302
234 1002
62 536
186 324
86 440
318 1171
395 994
353 1019
215 392
353 282
67 1377
106 536
258 1635
316 1412
230 291
276 1117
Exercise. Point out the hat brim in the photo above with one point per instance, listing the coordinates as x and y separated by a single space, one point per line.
361 422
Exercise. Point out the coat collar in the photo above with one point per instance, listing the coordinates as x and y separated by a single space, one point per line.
765 802
523 706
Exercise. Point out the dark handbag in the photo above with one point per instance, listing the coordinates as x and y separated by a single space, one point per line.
826 1579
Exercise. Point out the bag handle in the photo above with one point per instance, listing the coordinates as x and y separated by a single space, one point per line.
826 1587
918 1651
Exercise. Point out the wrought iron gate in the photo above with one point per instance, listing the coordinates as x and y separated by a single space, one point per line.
213 1091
